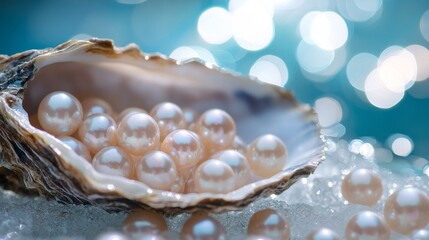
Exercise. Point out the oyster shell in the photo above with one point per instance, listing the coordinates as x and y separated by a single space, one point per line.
34 161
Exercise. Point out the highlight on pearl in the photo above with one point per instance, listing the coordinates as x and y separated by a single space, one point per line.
238 163
367 225
113 161
76 146
98 131
407 210
169 117
157 170
267 155
202 226
142 222
422 234
323 234
269 223
214 176
60 113
362 186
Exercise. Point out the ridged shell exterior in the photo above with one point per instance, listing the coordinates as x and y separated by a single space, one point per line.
33 161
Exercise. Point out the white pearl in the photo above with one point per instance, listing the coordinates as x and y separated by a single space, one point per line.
269 223
214 176
113 161
238 163
96 105
157 170
138 133
60 113
362 186
76 146
367 225
407 210
323 234
267 155
141 221
202 227
98 131
169 117
127 111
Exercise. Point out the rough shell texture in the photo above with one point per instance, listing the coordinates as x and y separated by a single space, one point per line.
34 161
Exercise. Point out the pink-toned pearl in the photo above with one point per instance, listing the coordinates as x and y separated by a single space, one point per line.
113 161
214 176
217 130
362 186
140 222
239 145
184 147
407 210
267 155
169 117
202 227
157 170
138 133
127 111
76 146
238 163
98 131
323 234
96 105
60 113
367 225
269 223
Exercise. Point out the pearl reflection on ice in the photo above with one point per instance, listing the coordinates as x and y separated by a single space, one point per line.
76 146
138 133
421 234
238 163
407 210
60 113
214 176
184 147
157 170
112 236
113 161
367 225
362 186
140 222
269 223
323 234
169 117
98 131
216 129
96 105
267 155
202 227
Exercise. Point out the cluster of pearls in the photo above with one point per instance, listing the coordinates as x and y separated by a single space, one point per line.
169 148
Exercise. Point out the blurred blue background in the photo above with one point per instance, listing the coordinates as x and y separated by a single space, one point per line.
363 64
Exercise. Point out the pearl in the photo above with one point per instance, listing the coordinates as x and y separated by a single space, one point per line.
96 105
127 111
323 234
421 234
141 222
407 210
98 131
157 170
184 147
367 225
239 145
217 130
169 117
76 146
113 161
202 227
60 113
267 155
138 133
269 223
362 186
214 176
238 163
112 236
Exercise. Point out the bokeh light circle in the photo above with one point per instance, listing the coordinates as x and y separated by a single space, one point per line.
313 59
359 68
305 26
378 94
424 25
359 10
400 144
215 25
184 53
270 69
421 55
329 111
329 31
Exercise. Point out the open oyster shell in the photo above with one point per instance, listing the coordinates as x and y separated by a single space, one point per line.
34 161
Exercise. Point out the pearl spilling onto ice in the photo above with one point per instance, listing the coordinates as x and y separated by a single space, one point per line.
362 186
323 234
157 170
202 227
407 210
138 133
76 146
96 105
238 163
367 225
140 222
113 161
269 223
98 131
60 113
267 155
169 117
214 176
